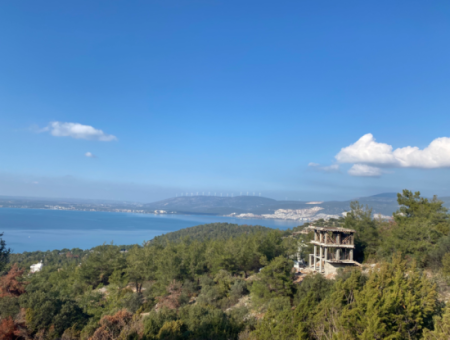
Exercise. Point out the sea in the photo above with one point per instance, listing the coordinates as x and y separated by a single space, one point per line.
38 229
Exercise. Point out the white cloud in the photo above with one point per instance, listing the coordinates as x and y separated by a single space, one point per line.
368 151
329 168
364 170
77 131
90 155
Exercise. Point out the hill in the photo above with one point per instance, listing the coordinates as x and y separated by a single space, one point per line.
212 231
384 204
238 287
213 205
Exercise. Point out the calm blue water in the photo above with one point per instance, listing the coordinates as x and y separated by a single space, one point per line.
33 229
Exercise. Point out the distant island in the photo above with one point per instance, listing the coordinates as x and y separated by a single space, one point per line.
251 207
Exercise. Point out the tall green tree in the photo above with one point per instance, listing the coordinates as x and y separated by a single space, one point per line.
4 254
367 238
274 281
100 263
419 225
397 302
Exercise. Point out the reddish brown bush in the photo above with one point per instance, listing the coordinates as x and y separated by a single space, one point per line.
7 329
9 284
112 325
11 330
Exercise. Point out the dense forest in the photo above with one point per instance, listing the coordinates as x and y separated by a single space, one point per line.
211 231
228 282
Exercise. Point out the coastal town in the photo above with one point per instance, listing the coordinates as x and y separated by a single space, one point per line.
309 214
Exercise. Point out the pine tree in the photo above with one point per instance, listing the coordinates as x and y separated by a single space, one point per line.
4 254
366 237
397 302
441 327
274 281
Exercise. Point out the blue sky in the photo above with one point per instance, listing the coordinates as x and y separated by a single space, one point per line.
225 96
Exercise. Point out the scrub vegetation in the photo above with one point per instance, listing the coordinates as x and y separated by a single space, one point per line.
227 282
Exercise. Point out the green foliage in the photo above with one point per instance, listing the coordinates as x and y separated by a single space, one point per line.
46 309
210 323
4 254
435 257
396 301
212 231
446 265
367 238
56 258
172 330
316 285
390 304
155 321
100 263
192 322
277 325
9 306
441 327
274 281
419 225
191 287
281 322
238 289
140 265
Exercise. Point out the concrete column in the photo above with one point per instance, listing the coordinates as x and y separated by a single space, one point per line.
337 255
326 254
338 239
315 235
315 257
326 239
320 237
351 254
320 260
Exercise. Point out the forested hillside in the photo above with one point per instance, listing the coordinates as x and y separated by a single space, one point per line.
241 286
211 231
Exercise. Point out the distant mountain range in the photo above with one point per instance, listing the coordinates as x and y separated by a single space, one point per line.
240 206
385 204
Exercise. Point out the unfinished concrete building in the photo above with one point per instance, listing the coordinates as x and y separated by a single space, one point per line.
333 249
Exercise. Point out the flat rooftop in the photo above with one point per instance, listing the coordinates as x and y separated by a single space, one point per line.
342 230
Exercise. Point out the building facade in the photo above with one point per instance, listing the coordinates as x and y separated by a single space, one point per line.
333 249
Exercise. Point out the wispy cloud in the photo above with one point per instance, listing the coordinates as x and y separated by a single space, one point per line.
369 156
90 155
329 168
77 131
364 170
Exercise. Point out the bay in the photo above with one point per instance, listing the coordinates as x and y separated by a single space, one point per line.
36 229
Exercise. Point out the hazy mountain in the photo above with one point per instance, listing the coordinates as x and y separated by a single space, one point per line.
385 203
213 204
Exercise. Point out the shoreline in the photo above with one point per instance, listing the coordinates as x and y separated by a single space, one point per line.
127 211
